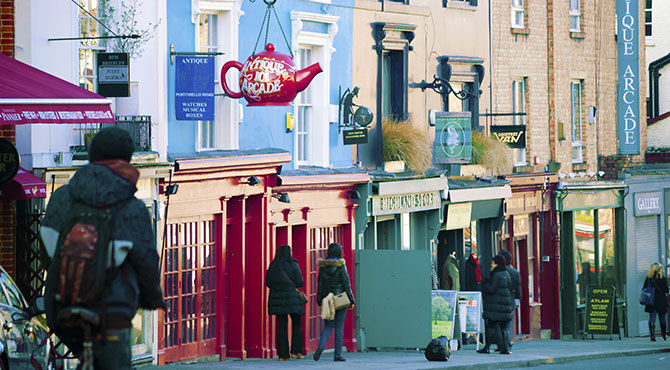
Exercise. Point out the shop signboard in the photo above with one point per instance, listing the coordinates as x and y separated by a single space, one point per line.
401 203
453 142
458 216
113 74
470 312
647 204
512 135
9 161
194 88
628 88
601 315
355 136
599 199
443 312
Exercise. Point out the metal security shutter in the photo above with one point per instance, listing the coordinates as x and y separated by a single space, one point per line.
647 251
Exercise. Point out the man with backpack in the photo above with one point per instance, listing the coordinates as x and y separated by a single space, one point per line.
104 259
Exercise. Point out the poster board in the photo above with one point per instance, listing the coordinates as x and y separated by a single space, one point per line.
601 317
443 312
472 304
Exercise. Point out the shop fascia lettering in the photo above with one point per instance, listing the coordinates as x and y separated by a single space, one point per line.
406 202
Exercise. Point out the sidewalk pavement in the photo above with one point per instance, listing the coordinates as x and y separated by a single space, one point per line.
524 354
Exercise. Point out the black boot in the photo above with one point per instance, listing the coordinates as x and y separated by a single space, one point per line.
504 340
663 332
652 335
317 354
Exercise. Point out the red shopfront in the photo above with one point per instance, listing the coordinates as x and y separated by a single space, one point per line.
223 226
529 233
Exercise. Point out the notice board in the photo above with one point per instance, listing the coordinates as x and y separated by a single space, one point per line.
470 304
601 315
443 312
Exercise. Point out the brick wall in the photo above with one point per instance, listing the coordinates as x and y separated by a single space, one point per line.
613 165
7 132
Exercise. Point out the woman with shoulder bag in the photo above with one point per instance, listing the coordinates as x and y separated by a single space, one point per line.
283 278
333 278
656 280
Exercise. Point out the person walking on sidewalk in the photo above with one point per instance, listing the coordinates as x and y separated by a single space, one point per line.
515 277
656 280
283 278
498 306
333 278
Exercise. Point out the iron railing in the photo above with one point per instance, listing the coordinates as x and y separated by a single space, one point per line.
139 128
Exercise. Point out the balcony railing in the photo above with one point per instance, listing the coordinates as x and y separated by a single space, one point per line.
139 128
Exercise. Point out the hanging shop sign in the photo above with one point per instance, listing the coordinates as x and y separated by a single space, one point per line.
269 78
513 135
628 89
458 216
601 315
400 203
648 203
113 75
452 137
355 136
443 312
9 161
194 88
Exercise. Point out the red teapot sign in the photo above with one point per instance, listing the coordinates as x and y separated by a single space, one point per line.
269 78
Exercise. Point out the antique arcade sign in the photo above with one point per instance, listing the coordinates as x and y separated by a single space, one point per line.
628 90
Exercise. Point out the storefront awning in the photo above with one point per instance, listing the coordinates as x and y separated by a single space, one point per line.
24 185
29 95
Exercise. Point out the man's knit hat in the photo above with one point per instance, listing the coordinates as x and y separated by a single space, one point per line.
111 143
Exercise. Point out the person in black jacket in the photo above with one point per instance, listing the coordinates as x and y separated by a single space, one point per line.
283 278
498 305
656 279
333 278
515 277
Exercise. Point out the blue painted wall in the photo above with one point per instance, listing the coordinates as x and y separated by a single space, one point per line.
265 126
181 33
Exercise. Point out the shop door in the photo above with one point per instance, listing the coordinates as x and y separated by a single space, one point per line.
646 253
393 298
189 327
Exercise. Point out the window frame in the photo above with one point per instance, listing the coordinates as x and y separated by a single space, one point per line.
517 7
576 121
90 46
207 128
648 10
304 108
519 154
576 14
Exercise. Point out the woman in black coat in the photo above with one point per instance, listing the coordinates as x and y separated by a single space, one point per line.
656 279
283 277
498 305
333 278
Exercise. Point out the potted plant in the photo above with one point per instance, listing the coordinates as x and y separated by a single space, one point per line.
495 157
406 142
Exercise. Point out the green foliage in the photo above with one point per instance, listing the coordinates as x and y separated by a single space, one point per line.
404 141
124 22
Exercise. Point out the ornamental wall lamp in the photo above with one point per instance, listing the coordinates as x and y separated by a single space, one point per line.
282 197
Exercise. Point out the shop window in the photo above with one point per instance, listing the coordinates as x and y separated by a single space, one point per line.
576 120
519 106
518 14
667 253
575 16
311 108
89 27
207 42
647 18
405 231
394 91
447 3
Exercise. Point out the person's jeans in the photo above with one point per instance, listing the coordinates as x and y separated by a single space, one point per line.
282 334
338 325
652 317
113 352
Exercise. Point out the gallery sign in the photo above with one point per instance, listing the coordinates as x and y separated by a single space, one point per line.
512 135
400 203
628 90
194 88
453 142
648 203
113 74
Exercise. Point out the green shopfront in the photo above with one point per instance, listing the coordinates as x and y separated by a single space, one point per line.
592 247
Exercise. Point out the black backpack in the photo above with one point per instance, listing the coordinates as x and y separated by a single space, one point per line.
78 274
438 349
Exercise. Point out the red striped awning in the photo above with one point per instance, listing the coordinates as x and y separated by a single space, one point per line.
24 185
29 95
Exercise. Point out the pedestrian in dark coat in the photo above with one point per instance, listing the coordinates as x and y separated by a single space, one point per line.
283 278
498 305
109 182
333 278
473 274
656 279
515 277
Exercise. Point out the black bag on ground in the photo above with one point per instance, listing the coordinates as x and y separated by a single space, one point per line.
438 349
